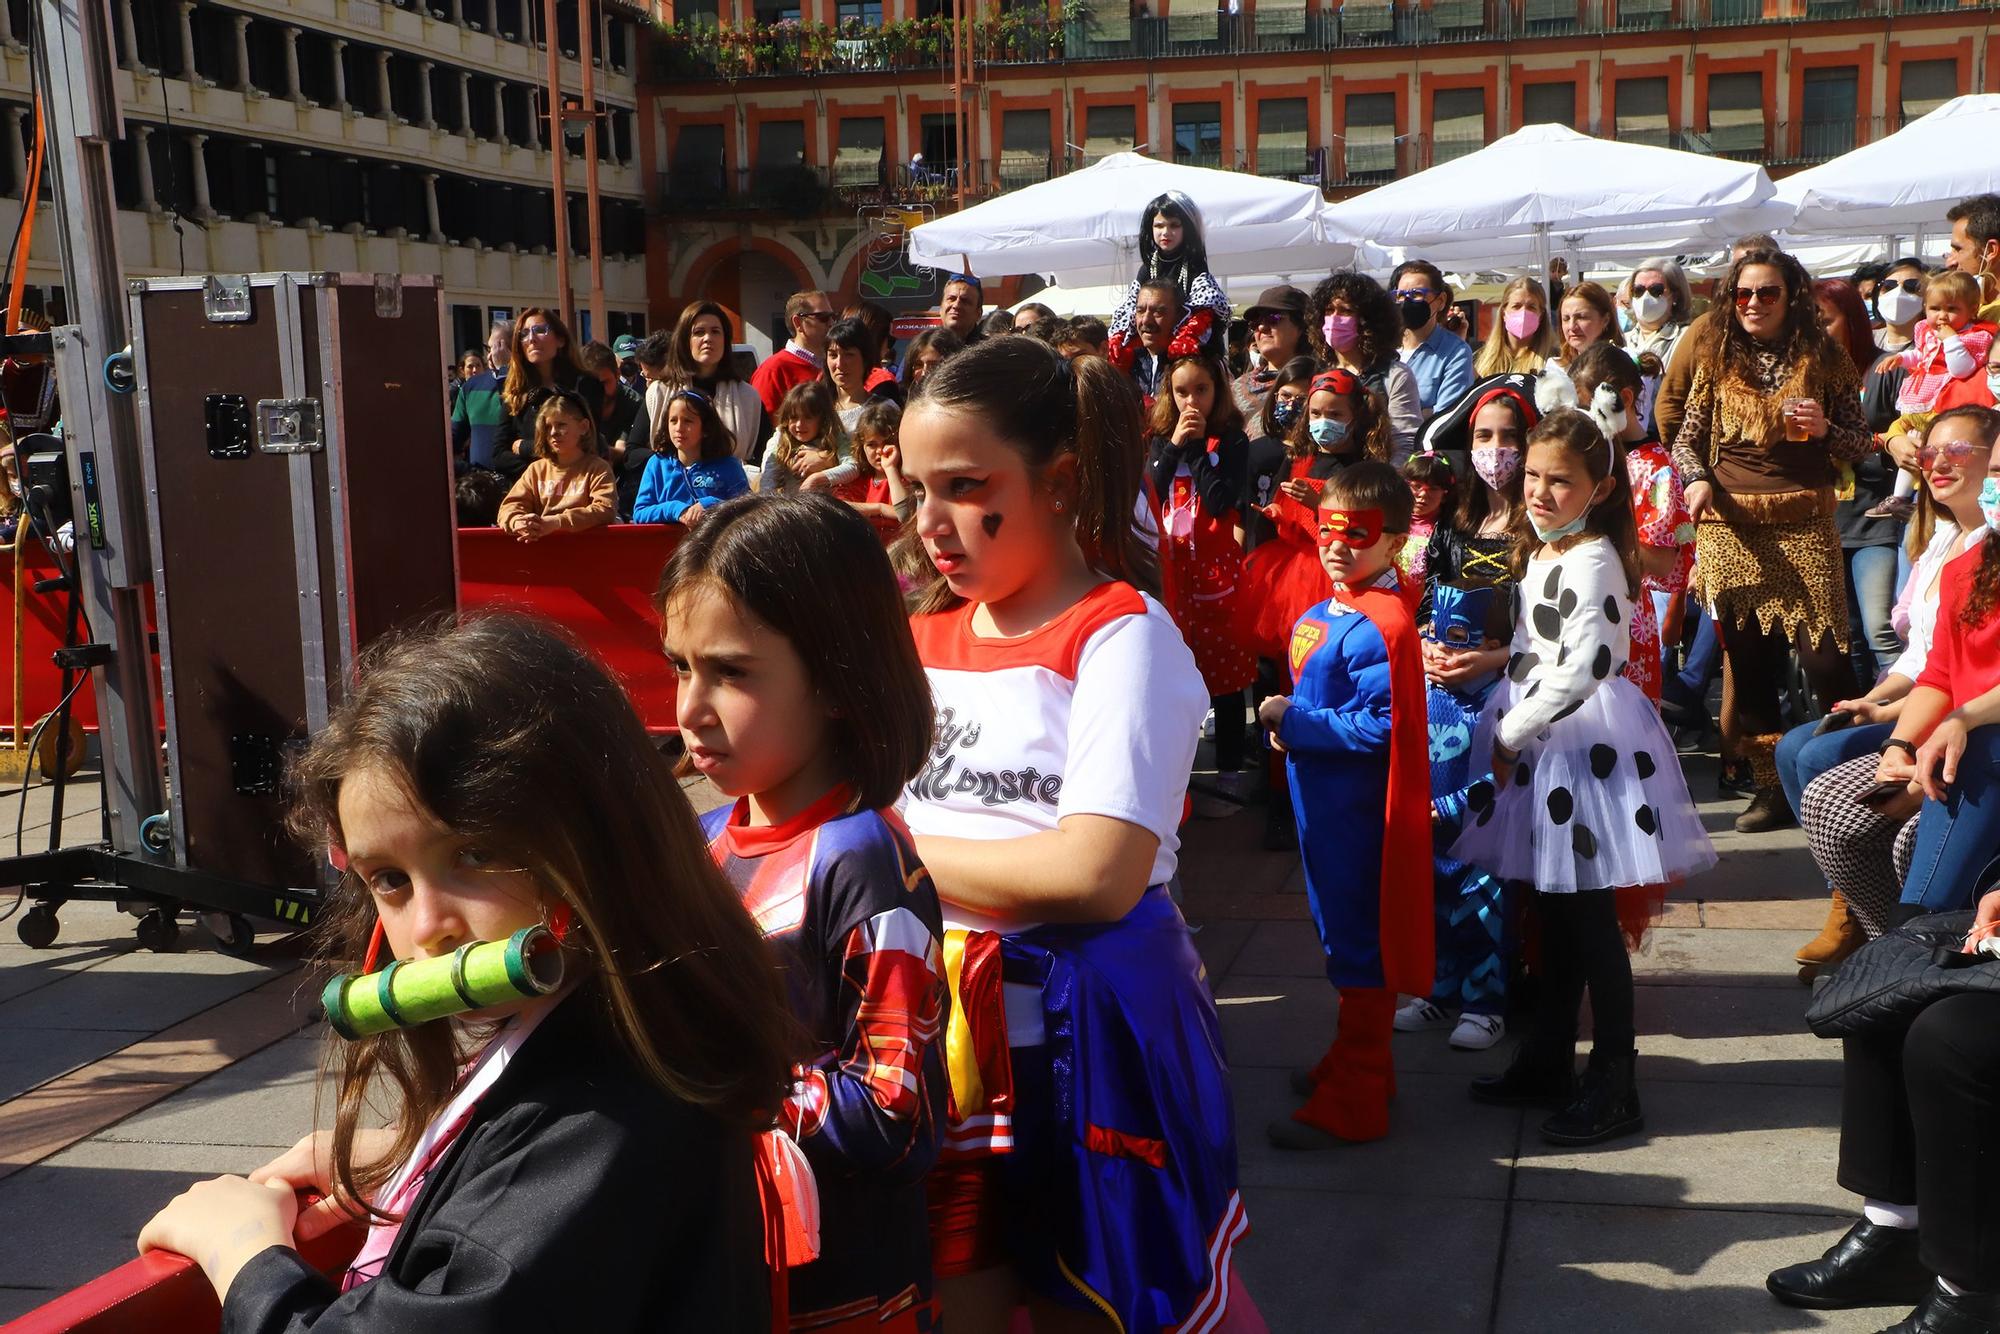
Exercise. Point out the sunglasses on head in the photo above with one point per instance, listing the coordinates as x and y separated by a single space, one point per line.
1651 289
1768 295
1903 284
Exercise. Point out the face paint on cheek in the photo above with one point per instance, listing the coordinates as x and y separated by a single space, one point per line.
991 523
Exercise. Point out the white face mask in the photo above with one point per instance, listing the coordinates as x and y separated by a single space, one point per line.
1651 309
1899 307
1993 383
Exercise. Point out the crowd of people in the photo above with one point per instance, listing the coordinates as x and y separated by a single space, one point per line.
948 629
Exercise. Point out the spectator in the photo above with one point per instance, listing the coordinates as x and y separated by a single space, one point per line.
622 403
809 315
1865 279
1773 409
996 324
1359 332
1081 335
1523 337
1439 359
626 348
542 360
1277 321
809 442
1661 307
1036 319
477 411
1678 373
698 357
883 327
1154 318
960 307
1271 431
1868 542
476 496
1975 242
568 488
927 349
850 366
499 347
1588 316
699 469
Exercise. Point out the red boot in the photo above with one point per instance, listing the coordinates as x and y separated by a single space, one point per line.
1356 1079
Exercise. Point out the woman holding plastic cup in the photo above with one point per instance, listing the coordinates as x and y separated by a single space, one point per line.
1774 410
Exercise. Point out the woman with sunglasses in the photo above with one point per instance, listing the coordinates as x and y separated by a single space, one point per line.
1661 308
544 360
1773 411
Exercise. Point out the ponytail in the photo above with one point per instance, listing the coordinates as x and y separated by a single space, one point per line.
1046 407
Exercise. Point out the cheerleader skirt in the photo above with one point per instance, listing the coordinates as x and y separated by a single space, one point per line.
1597 800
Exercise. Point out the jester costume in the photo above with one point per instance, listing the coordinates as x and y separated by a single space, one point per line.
1353 736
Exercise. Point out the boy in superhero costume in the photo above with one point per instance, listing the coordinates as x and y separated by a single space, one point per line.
1354 734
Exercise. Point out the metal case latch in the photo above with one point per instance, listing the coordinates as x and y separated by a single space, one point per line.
288 425
225 298
256 764
227 417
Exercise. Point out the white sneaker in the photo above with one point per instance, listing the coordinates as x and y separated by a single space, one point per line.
1420 1016
1477 1032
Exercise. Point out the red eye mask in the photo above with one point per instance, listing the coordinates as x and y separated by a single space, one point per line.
1359 529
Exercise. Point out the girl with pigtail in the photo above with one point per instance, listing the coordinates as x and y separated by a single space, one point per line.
1089 1165
1171 249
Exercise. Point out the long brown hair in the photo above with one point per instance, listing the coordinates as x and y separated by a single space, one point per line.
1577 435
681 368
813 570
521 384
504 729
1985 592
565 400
1800 337
1367 438
1224 417
1046 407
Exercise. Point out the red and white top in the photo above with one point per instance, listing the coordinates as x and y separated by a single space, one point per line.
1096 713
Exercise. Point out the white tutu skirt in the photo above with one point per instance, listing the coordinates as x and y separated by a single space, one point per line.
1597 800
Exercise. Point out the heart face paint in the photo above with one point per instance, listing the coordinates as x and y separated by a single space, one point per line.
991 523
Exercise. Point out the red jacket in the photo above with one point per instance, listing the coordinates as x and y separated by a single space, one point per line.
778 374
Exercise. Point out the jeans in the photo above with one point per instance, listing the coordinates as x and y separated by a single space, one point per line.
1871 595
1958 836
1803 757
1704 657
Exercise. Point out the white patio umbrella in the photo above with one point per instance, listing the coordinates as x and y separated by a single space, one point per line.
1901 184
1546 189
1083 229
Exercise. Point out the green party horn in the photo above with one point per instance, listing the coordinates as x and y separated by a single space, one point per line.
484 973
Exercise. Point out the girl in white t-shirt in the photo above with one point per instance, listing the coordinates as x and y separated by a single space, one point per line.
1090 1164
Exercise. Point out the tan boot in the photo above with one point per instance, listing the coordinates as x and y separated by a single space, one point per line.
1768 808
1840 937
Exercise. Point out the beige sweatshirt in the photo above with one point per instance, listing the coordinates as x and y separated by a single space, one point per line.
584 495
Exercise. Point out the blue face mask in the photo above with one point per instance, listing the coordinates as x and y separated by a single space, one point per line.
1989 502
1284 412
1570 529
1326 432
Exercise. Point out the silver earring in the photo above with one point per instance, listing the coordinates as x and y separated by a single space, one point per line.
1059 507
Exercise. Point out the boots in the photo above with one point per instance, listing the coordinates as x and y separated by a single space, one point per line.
1606 1105
1540 1075
1350 1101
1840 937
1768 809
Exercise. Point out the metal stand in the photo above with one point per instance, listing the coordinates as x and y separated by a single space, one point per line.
134 866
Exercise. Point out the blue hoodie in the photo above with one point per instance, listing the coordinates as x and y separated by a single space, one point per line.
670 487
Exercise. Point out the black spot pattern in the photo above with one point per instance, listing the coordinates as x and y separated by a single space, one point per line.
1642 760
1643 817
1548 620
1529 693
1561 805
1553 584
1523 772
1563 655
1611 608
1603 760
1521 665
1567 602
1480 796
1600 666
1584 842
1566 711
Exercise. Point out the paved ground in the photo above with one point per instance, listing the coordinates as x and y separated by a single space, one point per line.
124 1075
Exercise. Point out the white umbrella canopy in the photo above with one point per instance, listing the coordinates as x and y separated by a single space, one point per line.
1533 189
1903 182
1083 228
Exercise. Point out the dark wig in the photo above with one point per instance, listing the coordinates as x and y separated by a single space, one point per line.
1381 327
1183 266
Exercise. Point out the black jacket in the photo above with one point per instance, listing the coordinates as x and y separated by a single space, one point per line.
521 425
579 1197
1219 484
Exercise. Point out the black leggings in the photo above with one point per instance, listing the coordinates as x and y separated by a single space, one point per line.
1228 732
1756 665
1917 1117
1582 946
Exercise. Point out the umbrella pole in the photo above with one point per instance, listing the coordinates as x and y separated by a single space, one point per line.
1541 252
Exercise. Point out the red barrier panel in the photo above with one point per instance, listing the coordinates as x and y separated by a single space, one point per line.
597 584
42 633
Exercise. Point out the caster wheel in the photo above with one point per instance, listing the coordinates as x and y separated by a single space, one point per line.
157 833
158 930
233 933
37 929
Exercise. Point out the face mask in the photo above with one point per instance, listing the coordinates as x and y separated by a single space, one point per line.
1496 464
1341 331
1522 322
1993 383
1327 432
1650 309
1284 412
1625 320
1570 529
1989 502
1899 307
1416 312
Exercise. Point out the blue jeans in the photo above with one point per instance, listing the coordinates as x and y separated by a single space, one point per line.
1803 757
1871 596
1958 836
1704 659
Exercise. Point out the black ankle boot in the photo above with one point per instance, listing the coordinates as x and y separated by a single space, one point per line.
1606 1105
1946 1313
1540 1075
1871 1266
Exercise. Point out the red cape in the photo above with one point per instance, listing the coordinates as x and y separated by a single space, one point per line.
1409 934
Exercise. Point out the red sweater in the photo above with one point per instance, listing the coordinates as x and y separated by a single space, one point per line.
776 376
1964 660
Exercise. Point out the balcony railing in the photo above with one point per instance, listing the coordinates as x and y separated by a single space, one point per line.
800 191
